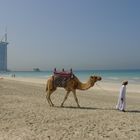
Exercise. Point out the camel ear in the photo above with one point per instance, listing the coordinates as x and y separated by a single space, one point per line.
95 77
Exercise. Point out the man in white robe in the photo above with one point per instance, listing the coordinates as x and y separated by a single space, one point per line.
122 99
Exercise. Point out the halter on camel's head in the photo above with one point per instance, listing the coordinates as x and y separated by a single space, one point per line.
95 78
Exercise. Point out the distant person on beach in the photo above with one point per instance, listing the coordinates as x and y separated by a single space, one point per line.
13 75
122 99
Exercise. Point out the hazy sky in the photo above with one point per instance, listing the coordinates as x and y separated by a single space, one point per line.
78 34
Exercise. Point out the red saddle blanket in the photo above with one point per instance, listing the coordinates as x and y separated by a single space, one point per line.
63 73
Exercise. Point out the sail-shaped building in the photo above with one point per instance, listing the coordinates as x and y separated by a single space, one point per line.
3 54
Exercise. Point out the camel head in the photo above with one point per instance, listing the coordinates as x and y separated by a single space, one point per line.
94 79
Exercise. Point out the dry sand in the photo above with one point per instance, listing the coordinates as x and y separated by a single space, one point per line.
26 115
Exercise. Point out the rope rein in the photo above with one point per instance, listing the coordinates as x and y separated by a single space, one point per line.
102 88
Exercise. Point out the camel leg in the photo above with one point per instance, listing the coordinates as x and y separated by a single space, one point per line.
65 98
76 99
48 97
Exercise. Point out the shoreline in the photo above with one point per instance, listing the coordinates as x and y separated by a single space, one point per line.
101 85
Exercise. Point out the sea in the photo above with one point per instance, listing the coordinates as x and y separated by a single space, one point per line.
133 76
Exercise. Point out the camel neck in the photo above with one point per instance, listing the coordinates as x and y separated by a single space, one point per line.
84 86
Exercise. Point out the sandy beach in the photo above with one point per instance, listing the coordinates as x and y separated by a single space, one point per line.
26 115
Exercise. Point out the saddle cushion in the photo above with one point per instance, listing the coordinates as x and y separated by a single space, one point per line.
63 74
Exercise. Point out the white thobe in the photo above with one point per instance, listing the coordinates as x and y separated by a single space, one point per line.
121 100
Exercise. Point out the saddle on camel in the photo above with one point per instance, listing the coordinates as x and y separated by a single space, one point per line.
60 78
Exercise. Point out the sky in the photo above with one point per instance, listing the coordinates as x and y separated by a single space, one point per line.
77 34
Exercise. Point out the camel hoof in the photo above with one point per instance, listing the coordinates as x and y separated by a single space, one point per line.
78 106
52 105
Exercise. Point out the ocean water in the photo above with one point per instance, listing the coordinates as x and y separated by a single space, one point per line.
133 76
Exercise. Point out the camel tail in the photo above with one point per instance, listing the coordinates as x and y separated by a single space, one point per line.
46 87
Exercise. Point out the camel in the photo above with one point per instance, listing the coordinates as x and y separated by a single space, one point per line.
72 85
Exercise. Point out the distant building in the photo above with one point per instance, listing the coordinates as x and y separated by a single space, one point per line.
3 54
